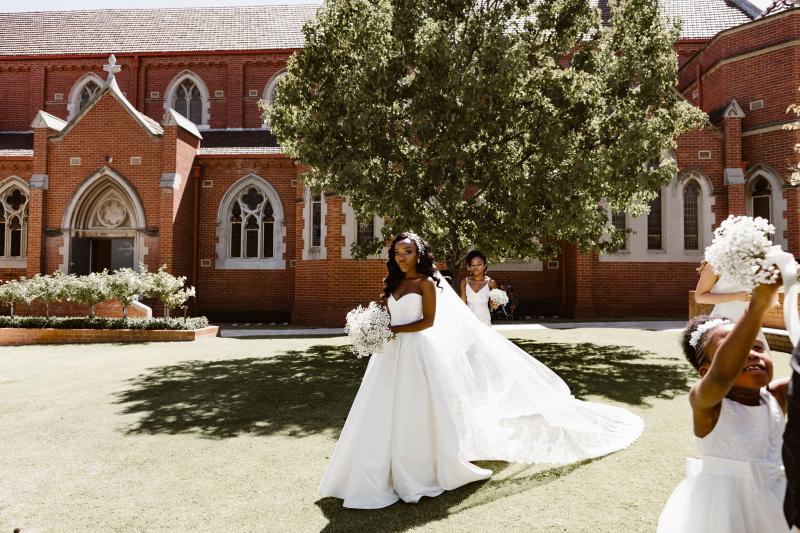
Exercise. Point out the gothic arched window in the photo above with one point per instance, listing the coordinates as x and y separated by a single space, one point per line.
251 226
188 101
654 223
691 216
761 196
87 93
13 222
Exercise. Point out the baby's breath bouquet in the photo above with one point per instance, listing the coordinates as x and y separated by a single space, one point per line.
741 250
368 329
498 297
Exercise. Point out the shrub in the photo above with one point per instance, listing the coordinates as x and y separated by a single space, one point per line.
74 322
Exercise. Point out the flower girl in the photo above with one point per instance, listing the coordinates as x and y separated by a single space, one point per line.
737 412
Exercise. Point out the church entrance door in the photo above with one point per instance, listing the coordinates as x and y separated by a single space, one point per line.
95 254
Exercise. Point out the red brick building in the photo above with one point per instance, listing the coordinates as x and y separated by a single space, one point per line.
160 156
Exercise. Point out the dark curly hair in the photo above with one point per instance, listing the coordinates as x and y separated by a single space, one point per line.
473 254
425 266
695 356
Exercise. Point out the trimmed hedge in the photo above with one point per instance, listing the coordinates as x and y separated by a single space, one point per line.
80 322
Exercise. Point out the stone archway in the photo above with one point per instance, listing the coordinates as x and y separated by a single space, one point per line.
103 226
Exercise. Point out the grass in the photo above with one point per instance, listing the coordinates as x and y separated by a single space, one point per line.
235 434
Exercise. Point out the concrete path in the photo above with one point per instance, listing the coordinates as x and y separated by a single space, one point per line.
232 330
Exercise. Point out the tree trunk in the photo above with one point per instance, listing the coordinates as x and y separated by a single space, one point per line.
125 312
47 309
166 311
12 309
91 310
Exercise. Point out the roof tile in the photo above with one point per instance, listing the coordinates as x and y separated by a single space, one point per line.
154 30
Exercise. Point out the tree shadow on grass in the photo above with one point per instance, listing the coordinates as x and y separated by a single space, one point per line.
619 373
402 516
307 392
295 393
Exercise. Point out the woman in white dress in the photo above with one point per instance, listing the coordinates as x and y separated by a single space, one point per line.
446 391
475 288
729 299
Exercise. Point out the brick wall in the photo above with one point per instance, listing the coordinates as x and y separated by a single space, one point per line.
245 294
33 84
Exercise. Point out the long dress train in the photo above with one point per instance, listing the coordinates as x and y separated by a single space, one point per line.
453 393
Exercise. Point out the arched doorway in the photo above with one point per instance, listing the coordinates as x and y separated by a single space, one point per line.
104 226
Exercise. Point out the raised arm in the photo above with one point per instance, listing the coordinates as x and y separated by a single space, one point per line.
428 287
733 351
703 294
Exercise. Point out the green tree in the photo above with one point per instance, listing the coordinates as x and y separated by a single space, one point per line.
498 124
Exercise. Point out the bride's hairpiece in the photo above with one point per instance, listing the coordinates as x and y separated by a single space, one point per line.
705 326
417 240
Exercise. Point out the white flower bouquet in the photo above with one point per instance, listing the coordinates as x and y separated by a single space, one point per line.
498 297
368 329
741 250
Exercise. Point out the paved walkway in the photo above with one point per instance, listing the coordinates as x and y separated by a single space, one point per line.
233 330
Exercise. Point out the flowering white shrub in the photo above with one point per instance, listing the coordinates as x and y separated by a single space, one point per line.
125 284
90 289
498 297
162 285
13 292
177 298
49 289
368 329
739 250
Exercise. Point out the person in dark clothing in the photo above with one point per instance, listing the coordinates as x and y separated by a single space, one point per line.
791 447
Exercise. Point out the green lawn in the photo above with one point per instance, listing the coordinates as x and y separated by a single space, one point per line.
234 435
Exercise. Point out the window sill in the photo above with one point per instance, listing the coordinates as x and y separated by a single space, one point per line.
13 262
250 264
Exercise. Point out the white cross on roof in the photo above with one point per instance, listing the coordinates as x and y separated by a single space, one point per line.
112 67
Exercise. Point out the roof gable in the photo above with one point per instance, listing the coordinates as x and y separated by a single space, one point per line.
111 88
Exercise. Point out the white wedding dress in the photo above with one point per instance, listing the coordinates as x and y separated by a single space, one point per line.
478 302
456 392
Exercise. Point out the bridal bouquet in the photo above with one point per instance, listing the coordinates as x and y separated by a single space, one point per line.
740 250
368 329
498 297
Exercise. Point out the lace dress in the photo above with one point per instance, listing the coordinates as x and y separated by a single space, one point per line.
738 485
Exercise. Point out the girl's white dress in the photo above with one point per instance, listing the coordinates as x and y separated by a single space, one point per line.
478 302
436 399
738 485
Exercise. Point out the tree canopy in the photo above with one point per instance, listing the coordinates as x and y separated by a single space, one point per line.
505 125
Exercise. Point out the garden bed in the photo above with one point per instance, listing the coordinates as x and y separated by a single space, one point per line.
24 336
22 330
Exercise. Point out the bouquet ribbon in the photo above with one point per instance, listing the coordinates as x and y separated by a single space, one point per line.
788 267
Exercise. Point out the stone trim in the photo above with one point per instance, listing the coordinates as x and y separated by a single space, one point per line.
170 180
39 181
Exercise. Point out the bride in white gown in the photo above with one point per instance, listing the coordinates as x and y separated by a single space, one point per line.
448 390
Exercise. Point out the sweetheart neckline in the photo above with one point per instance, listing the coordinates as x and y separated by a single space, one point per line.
403 296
